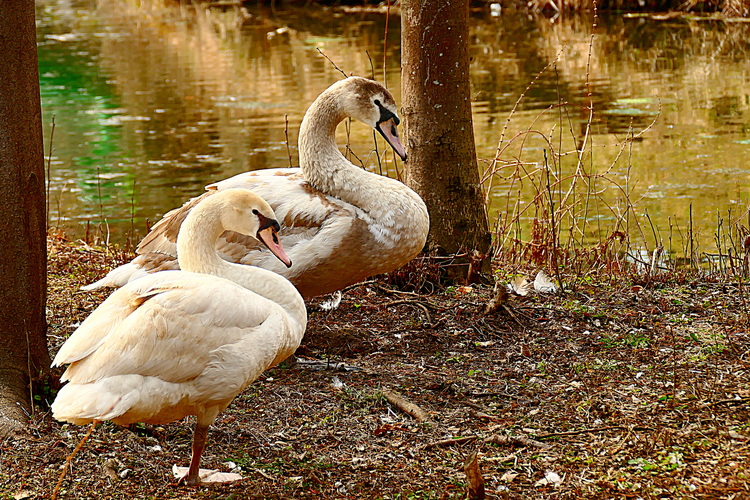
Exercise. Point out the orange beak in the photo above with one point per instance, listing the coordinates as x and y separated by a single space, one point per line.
270 238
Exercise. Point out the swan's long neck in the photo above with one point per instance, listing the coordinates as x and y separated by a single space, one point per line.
196 241
196 253
322 163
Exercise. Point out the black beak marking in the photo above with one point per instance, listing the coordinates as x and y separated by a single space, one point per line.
266 222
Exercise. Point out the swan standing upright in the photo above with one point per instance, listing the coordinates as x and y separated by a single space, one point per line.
340 223
178 343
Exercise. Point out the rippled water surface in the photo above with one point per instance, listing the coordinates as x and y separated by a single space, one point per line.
151 103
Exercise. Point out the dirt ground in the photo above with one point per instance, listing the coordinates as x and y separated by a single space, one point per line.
620 387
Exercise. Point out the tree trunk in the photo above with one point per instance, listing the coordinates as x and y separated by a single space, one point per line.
23 252
436 95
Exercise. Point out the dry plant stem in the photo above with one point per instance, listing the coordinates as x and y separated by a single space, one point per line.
587 134
493 439
515 441
49 163
70 458
491 169
448 442
286 139
691 240
385 43
515 214
555 264
372 65
419 304
28 365
331 61
405 406
377 153
589 431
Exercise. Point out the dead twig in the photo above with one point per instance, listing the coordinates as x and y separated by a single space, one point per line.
424 306
325 364
333 63
405 406
448 442
70 459
500 301
390 291
589 431
515 441
264 474
286 139
493 439
622 444
740 401
485 416
491 394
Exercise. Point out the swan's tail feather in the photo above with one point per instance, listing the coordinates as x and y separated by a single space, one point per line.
123 399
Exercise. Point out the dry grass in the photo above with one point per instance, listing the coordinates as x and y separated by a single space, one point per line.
727 8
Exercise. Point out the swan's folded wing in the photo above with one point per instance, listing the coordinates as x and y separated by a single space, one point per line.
102 323
171 330
300 208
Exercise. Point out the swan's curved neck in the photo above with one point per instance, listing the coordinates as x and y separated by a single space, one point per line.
196 253
196 241
321 162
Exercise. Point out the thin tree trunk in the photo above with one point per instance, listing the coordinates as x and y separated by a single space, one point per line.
436 96
23 253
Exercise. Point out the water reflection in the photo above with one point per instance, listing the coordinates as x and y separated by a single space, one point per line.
153 102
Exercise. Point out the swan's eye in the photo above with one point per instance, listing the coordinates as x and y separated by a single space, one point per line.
377 102
255 212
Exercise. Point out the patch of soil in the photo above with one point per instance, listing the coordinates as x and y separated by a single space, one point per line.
627 387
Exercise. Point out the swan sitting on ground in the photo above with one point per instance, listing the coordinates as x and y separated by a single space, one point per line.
340 223
178 343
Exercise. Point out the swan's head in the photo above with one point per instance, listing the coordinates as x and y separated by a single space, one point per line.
243 211
371 103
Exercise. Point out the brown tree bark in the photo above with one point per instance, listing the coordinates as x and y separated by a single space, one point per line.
23 251
436 95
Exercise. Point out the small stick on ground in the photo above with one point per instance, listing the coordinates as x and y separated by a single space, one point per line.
739 401
588 431
70 459
493 439
405 406
448 442
419 304
515 441
486 416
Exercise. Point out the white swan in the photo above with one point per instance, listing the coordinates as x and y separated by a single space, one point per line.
340 223
179 343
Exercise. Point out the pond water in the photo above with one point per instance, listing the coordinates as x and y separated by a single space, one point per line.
152 102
